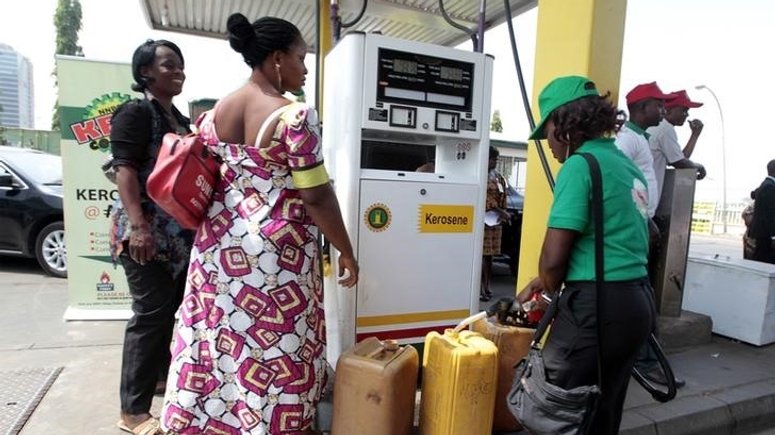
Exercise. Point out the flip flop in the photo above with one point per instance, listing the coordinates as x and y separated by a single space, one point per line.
148 427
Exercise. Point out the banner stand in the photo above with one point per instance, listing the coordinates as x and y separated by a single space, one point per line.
72 313
89 92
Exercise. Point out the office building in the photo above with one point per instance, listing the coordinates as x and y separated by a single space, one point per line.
16 89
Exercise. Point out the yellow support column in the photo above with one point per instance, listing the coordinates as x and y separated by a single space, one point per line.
577 37
324 45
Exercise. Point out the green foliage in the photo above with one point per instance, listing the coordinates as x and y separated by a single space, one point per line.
496 124
67 21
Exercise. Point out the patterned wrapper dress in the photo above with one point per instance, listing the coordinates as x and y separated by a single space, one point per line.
248 350
496 198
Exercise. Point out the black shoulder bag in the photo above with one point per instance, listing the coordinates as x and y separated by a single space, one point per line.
543 408
107 165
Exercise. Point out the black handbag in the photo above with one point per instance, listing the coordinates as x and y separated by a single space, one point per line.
107 168
539 406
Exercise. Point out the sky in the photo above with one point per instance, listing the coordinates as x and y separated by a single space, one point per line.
723 45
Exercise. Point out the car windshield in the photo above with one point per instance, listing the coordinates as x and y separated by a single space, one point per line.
40 167
513 199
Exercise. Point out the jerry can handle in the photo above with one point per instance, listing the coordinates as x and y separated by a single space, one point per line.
386 346
469 320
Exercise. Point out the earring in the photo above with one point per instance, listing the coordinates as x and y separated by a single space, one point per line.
279 78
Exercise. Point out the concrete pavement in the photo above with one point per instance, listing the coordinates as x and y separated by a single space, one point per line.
730 386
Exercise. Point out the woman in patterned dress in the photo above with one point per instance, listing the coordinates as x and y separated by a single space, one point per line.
248 352
495 202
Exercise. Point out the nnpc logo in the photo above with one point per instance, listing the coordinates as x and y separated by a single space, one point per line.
95 127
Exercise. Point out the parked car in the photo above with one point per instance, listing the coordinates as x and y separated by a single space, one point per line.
31 219
512 233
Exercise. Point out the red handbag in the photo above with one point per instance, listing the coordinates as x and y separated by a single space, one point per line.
183 179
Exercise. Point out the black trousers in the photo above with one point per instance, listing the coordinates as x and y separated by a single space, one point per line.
763 251
156 296
570 353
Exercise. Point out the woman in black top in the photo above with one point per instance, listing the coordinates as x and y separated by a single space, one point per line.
150 245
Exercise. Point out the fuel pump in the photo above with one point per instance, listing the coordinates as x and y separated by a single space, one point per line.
391 107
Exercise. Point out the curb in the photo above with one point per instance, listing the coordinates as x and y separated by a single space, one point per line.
743 409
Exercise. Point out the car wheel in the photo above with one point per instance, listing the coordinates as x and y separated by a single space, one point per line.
50 249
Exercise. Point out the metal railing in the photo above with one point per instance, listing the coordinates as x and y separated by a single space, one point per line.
710 217
43 140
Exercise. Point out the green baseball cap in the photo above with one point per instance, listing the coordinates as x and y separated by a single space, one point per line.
558 92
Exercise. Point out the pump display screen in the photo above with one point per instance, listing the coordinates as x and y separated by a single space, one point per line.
421 80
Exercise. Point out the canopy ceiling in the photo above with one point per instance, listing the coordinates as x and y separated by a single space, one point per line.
418 20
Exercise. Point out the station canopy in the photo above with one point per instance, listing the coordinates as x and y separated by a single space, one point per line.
417 20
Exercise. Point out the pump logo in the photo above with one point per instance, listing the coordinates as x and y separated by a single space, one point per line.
95 127
377 217
438 218
105 285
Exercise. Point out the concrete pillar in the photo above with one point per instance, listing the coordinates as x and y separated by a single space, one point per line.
577 37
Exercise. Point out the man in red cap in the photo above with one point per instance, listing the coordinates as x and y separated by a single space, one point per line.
664 142
646 103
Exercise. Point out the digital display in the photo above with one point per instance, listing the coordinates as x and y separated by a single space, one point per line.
420 80
404 66
447 73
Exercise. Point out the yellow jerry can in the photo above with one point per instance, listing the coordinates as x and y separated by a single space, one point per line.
460 377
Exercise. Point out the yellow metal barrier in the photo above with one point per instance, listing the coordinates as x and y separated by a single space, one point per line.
702 217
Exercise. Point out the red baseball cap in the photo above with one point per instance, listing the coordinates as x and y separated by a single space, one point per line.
644 91
681 99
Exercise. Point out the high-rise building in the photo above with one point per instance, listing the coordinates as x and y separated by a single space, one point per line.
16 89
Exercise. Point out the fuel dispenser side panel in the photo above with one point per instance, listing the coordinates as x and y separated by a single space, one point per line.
342 92
414 249
342 95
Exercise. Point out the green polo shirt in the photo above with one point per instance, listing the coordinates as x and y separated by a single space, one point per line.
625 202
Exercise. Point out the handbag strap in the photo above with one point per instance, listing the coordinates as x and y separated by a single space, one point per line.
267 122
156 133
546 319
597 213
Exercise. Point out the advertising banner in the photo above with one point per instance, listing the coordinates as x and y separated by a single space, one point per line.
89 92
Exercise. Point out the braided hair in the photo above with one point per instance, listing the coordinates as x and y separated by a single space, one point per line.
258 40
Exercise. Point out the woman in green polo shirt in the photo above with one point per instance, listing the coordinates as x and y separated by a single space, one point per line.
576 119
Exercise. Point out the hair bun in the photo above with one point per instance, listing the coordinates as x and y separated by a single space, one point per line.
241 33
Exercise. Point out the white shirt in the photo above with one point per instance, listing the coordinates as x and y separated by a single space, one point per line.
635 146
665 150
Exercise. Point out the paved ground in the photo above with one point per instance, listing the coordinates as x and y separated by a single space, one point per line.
730 386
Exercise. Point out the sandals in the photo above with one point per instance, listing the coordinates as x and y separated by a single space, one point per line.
148 427
485 296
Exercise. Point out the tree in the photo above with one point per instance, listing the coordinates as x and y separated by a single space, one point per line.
67 21
496 124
